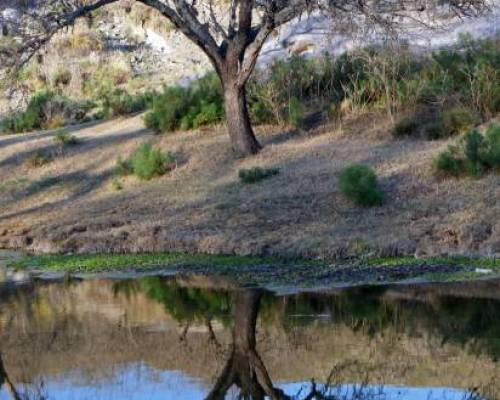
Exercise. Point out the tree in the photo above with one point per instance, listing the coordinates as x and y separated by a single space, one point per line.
232 33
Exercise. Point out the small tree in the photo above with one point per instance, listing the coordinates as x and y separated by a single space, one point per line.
232 33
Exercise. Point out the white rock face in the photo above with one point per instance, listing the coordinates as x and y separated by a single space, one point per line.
10 14
311 36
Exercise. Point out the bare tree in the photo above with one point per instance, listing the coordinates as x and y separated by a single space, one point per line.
232 33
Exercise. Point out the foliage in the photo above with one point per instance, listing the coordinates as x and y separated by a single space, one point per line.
474 155
460 85
447 163
146 163
451 122
201 103
64 138
359 184
183 304
295 112
46 109
123 167
406 126
120 102
256 174
33 117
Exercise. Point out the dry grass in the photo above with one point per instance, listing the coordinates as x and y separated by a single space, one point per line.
70 204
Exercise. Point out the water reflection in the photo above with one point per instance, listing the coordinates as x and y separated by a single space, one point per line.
170 338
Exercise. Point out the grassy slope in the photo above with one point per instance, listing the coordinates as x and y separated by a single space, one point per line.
70 205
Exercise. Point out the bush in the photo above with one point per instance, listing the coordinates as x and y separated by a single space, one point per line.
147 162
474 155
64 138
120 102
457 120
256 174
359 184
405 127
186 108
383 78
491 156
473 145
451 122
46 109
33 117
447 163
295 112
123 167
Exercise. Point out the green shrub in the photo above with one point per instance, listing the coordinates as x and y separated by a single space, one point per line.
389 79
33 117
474 155
407 126
147 162
457 120
167 109
120 102
491 155
256 174
295 112
359 184
448 163
186 108
123 167
451 122
473 145
64 138
46 109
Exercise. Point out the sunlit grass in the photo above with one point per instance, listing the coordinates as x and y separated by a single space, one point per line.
103 262
479 262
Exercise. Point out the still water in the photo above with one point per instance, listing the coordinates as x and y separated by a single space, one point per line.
172 338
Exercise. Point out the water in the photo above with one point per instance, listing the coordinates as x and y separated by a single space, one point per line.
171 338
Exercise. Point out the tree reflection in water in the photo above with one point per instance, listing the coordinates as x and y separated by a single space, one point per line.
469 322
6 382
290 324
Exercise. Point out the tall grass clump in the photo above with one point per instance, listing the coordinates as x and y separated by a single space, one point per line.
199 104
474 155
359 183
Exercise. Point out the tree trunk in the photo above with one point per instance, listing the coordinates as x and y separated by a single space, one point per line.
243 139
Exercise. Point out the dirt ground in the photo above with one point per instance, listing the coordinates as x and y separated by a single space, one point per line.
72 205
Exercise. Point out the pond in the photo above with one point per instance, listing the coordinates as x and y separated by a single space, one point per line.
205 338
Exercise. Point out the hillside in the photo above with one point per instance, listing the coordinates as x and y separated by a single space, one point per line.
72 204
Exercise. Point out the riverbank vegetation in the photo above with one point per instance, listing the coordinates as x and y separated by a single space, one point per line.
272 271
435 95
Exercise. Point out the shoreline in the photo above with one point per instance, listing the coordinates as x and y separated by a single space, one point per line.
265 272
